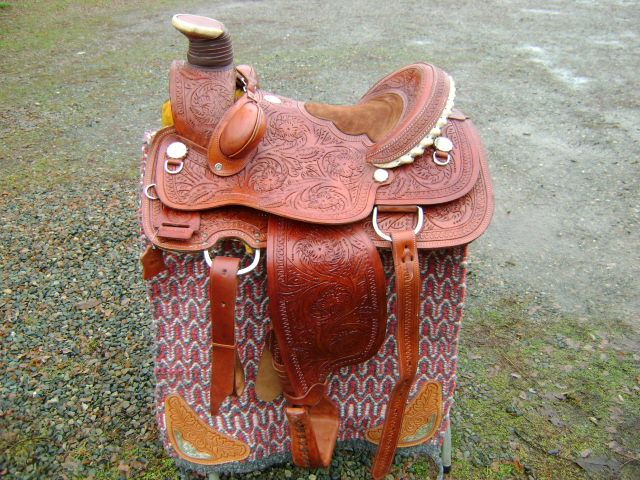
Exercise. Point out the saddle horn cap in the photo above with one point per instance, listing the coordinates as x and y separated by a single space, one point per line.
196 26
209 42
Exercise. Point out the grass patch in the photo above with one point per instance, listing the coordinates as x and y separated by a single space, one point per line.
21 449
142 463
544 391
93 345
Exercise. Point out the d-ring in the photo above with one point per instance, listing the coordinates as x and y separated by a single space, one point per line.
386 237
173 172
242 271
146 191
442 163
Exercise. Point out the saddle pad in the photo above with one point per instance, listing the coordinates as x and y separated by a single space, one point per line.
249 434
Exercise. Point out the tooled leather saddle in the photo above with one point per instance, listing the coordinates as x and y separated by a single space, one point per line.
321 188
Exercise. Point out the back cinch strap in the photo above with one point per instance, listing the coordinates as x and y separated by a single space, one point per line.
226 373
407 269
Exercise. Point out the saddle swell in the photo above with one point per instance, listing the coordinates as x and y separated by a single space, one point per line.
303 180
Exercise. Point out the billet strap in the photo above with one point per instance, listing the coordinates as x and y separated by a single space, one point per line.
407 270
226 372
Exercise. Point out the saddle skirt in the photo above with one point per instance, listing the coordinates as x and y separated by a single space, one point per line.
321 188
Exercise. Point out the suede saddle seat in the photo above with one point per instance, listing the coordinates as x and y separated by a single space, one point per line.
316 185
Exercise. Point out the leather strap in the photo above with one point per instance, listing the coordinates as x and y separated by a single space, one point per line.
407 269
314 431
152 262
268 384
223 289
247 77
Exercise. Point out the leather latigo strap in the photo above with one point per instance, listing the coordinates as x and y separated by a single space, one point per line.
226 376
247 78
407 270
327 302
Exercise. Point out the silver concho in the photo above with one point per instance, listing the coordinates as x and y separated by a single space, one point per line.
380 175
272 99
443 144
177 150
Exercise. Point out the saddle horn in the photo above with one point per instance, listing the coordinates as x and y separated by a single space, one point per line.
209 42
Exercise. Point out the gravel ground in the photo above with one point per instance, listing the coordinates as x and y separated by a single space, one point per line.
77 373
552 86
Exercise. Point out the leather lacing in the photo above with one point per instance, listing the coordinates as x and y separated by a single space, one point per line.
217 52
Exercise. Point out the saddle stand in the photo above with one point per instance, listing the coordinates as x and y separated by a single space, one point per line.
327 192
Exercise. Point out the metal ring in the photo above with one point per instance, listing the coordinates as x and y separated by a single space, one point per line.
386 237
147 194
441 162
173 172
242 271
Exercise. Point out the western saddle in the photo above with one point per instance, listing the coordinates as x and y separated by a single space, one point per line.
321 188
